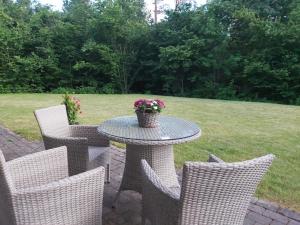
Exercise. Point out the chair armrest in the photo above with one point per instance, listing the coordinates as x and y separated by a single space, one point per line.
150 177
73 200
91 133
77 147
39 168
158 199
215 159
53 141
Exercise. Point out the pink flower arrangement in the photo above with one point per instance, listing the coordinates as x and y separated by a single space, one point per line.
149 105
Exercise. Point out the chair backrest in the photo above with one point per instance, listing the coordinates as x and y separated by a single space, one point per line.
6 189
53 120
219 193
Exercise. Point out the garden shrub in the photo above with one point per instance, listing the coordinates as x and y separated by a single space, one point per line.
73 108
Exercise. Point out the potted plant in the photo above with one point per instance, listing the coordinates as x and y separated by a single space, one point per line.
147 111
73 108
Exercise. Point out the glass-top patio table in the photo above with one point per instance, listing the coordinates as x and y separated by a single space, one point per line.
153 144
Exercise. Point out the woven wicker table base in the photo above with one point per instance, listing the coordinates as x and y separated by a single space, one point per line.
160 158
155 145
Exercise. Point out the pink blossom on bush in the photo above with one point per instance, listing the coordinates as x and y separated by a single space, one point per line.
73 108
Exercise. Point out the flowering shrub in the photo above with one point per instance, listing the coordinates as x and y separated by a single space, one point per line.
149 105
73 108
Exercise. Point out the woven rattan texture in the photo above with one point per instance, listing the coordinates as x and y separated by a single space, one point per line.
161 159
215 193
152 144
147 119
171 130
61 200
56 132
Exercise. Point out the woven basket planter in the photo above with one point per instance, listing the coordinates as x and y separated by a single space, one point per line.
147 120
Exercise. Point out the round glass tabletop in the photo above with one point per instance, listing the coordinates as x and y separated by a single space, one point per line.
171 130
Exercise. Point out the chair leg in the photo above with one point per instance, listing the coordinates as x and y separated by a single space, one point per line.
107 173
143 220
114 204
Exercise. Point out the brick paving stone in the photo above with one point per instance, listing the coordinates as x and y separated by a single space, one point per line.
268 205
254 200
248 221
277 223
256 208
293 222
259 218
290 213
276 216
128 208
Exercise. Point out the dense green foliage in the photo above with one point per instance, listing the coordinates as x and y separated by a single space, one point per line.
227 49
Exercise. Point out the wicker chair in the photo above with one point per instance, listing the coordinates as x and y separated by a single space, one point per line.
214 193
87 149
36 190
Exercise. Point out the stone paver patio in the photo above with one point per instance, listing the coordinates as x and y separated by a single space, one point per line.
128 208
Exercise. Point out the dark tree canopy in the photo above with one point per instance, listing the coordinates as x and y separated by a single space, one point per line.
226 49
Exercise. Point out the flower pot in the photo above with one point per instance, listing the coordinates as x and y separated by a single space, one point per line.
147 120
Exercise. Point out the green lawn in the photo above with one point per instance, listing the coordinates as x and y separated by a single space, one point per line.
230 129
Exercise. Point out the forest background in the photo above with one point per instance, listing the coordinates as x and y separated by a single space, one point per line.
225 49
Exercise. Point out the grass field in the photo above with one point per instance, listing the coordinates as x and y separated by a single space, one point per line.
230 129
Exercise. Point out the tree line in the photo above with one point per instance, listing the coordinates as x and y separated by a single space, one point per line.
225 49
